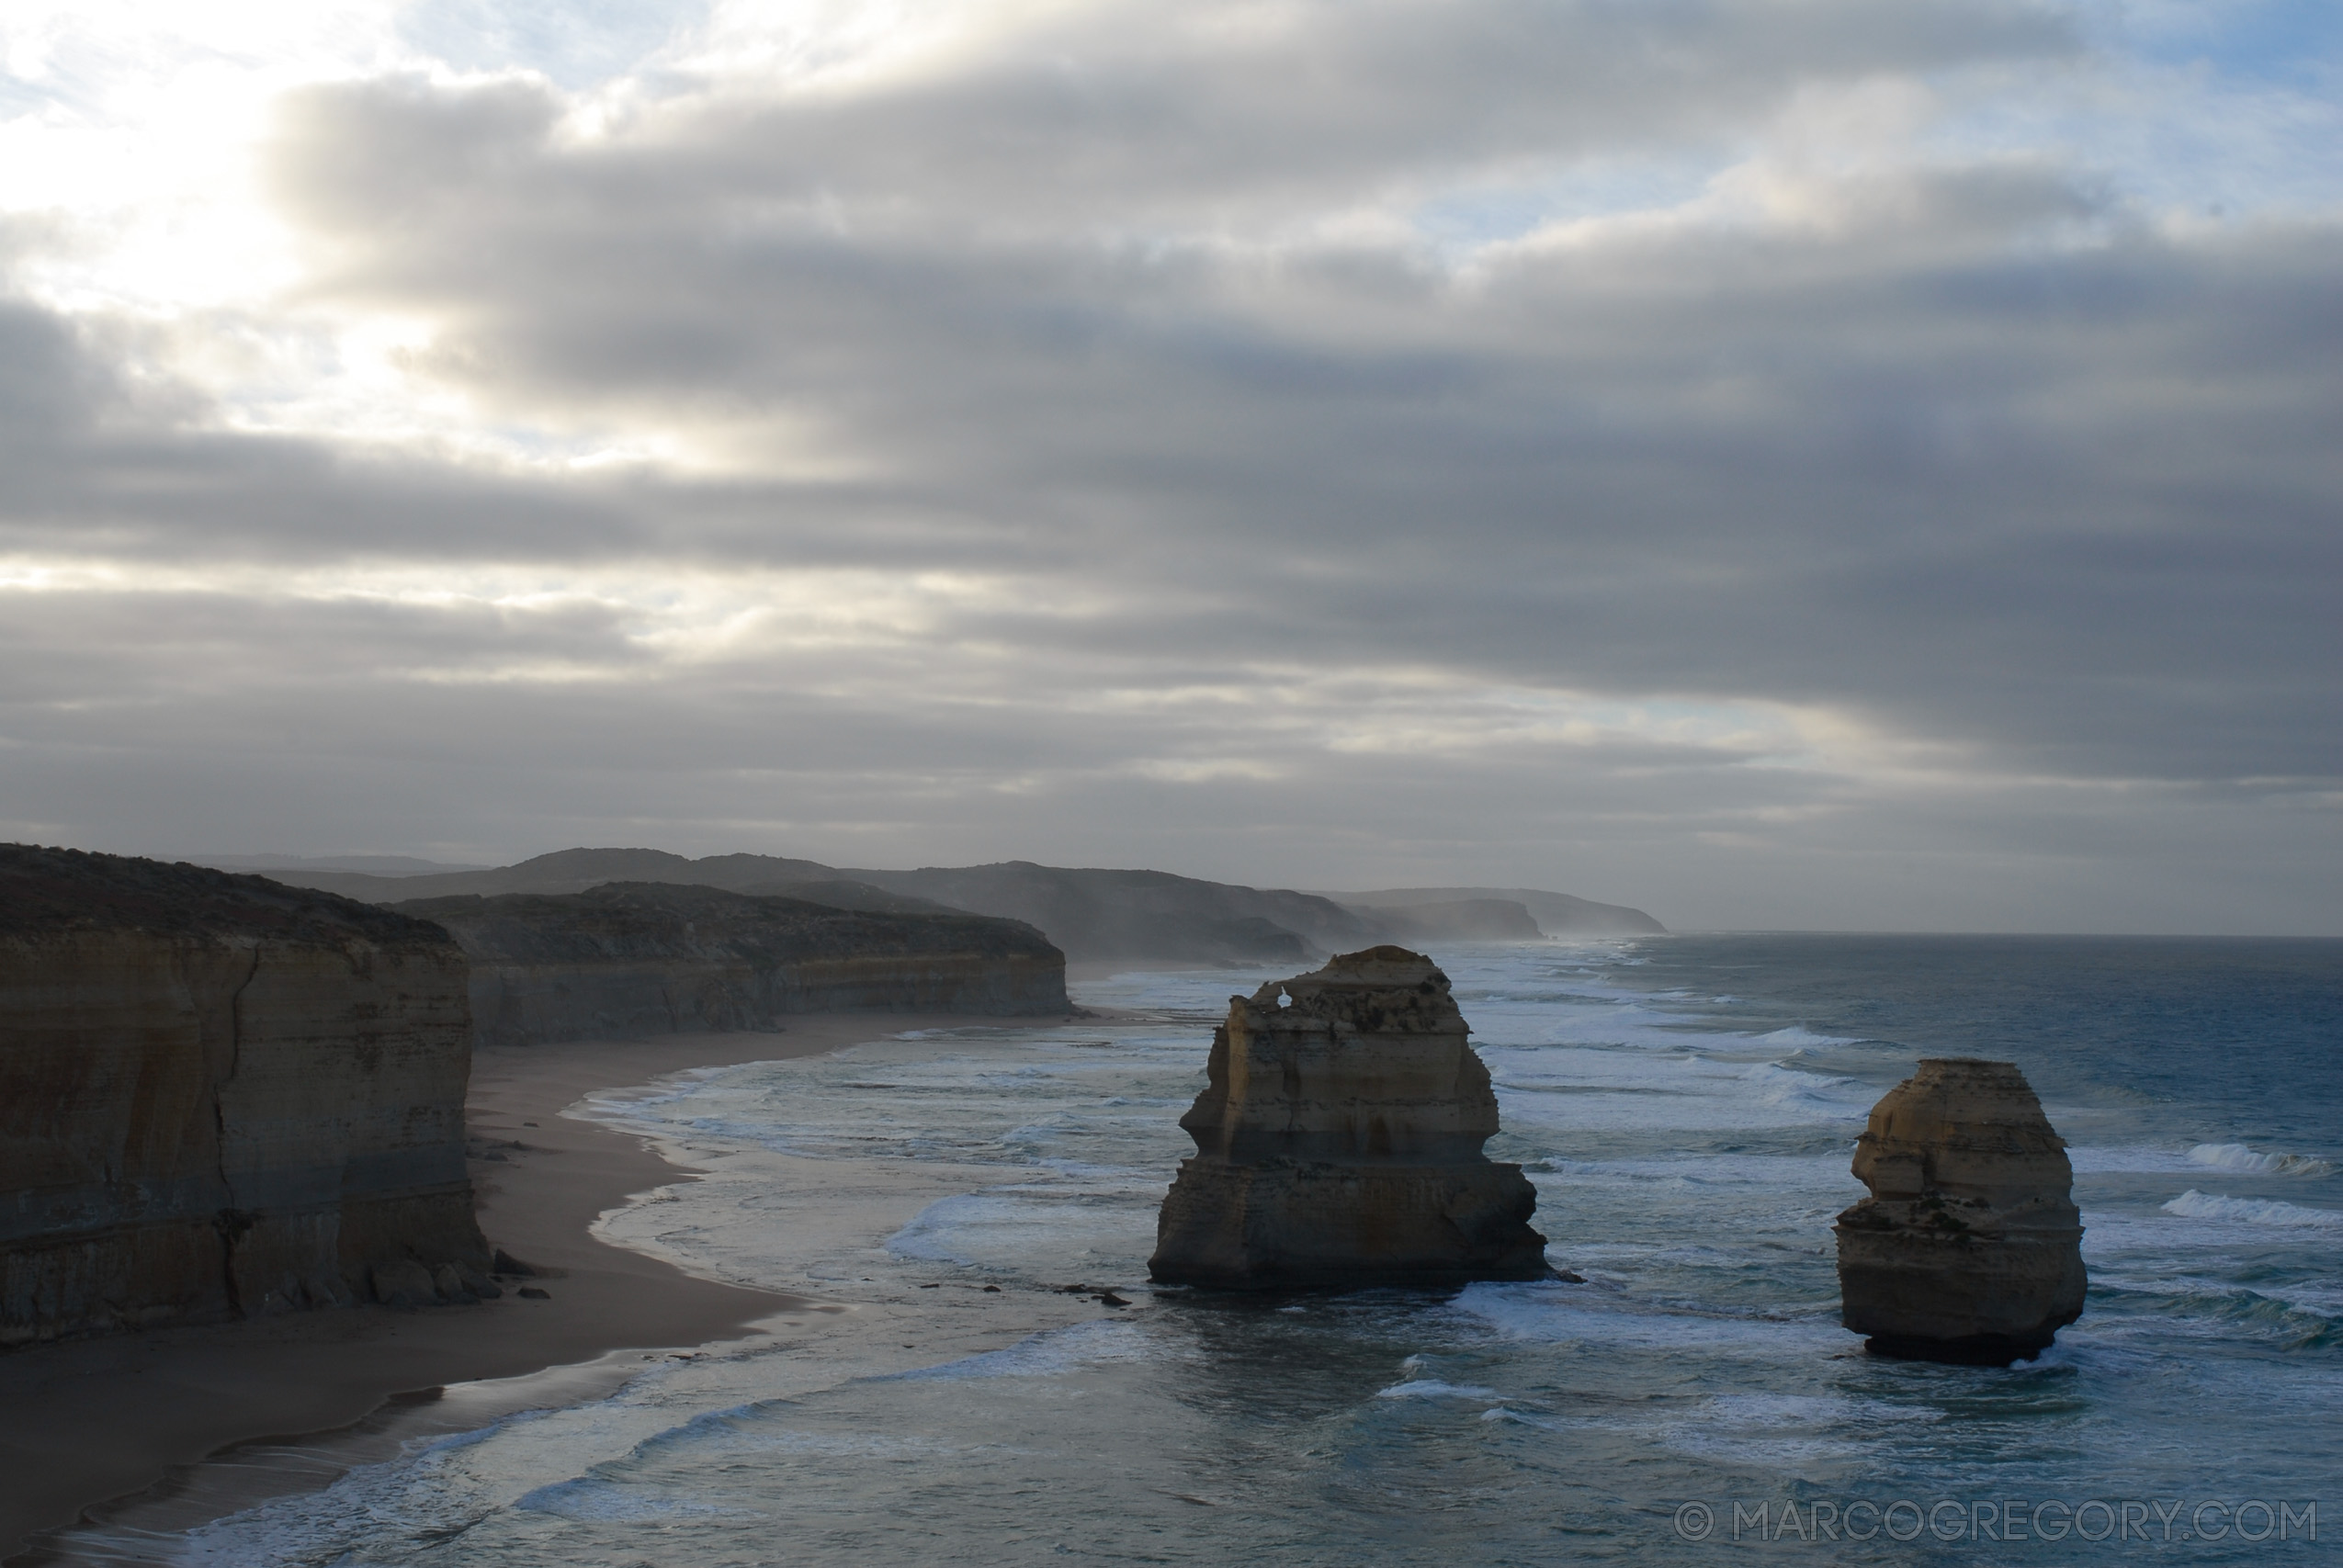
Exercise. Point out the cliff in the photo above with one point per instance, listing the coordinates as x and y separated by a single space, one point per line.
564 871
642 958
1462 920
1970 1248
1091 913
1338 1142
1557 914
1102 914
219 1097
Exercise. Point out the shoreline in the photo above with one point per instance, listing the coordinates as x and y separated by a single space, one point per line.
105 1427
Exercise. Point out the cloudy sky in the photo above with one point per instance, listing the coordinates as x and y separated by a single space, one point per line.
1808 463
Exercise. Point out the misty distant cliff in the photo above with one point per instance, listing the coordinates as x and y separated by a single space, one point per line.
1090 913
630 959
1557 914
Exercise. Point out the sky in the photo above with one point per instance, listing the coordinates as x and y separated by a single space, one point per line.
1777 463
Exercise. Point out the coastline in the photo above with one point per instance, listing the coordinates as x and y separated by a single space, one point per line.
96 1425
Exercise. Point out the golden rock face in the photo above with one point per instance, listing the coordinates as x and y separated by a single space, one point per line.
1339 1142
1970 1247
218 1098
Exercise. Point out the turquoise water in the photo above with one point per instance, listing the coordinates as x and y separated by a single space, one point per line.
1686 1107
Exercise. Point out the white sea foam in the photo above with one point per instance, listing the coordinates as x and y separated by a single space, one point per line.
591 1498
1791 1089
1433 1388
1049 1354
1557 1314
2195 1205
2127 1159
2237 1157
1800 1036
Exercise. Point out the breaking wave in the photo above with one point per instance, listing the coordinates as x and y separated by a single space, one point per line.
2237 1157
2195 1205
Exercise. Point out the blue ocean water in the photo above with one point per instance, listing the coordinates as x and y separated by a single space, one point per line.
1686 1106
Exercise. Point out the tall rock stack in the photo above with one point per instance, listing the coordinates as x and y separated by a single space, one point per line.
1970 1249
1338 1142
222 1098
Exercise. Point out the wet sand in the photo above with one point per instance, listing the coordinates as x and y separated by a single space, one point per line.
91 1422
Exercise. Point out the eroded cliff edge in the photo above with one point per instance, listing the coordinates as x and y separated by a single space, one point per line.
219 1097
630 959
1338 1142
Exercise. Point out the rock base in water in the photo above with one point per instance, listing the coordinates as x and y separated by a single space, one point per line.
1338 1142
1969 1249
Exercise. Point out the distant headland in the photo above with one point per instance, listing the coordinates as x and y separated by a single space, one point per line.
1092 914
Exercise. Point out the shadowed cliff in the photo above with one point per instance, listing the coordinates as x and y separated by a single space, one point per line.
219 1097
630 959
1091 913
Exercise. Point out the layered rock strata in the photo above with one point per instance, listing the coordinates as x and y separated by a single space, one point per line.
630 959
1338 1142
219 1096
1970 1249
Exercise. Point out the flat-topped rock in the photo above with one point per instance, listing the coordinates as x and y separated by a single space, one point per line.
1970 1248
1339 1142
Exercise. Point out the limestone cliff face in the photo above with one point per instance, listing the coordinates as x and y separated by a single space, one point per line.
219 1096
1970 1248
1339 1142
632 959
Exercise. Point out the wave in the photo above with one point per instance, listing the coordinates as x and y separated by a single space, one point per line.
1433 1388
2133 1159
2237 1157
593 1499
1791 1090
1047 1354
1800 1036
2195 1205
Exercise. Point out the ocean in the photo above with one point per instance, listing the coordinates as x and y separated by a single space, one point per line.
1685 1105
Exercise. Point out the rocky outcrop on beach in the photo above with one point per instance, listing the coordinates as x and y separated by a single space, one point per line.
1969 1249
219 1097
632 959
1338 1142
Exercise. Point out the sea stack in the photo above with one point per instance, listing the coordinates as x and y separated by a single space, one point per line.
1970 1249
1338 1142
222 1098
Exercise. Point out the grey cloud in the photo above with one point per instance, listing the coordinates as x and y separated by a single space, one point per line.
1973 452
94 460
1113 116
1945 462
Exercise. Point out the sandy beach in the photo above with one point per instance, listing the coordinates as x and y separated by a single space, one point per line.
92 1423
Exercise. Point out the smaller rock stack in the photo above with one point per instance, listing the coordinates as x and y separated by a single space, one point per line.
1969 1249
1338 1142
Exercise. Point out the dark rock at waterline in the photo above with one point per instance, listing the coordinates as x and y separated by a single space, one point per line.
1969 1249
1338 1142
